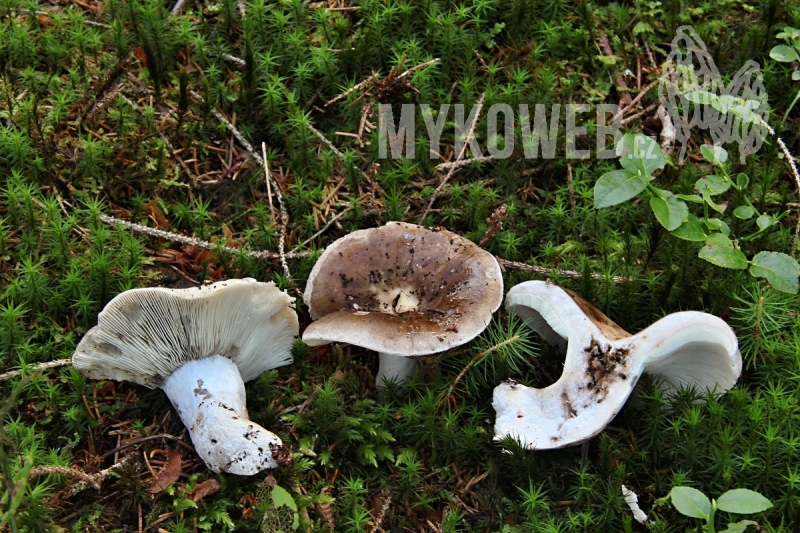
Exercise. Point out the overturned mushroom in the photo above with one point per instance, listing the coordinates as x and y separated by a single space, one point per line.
603 364
200 345
404 291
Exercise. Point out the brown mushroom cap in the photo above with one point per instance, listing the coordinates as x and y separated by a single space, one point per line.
402 289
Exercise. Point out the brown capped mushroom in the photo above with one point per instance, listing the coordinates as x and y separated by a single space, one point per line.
404 291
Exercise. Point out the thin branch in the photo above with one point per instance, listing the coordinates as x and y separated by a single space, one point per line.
459 157
352 89
183 239
571 274
284 213
419 67
41 366
464 162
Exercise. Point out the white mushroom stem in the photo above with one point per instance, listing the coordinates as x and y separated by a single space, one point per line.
394 368
210 399
603 364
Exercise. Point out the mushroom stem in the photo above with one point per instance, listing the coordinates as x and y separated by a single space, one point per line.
210 399
394 368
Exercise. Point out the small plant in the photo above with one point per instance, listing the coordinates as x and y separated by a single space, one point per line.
788 53
691 502
640 156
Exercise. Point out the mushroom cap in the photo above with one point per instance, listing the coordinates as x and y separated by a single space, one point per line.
603 364
402 289
143 335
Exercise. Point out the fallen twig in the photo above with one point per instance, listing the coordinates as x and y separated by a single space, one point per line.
571 274
183 239
459 157
35 368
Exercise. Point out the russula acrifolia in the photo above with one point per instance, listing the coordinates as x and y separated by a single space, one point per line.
603 363
404 291
200 345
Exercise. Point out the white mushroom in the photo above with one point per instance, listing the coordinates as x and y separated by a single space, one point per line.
603 364
404 291
200 345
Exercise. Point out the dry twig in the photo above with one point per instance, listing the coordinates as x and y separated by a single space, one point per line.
459 157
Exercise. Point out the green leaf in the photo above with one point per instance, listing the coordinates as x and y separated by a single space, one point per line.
715 224
281 497
744 212
690 502
617 186
784 54
764 221
743 501
714 154
719 208
715 184
691 198
719 239
796 75
669 210
702 97
739 527
742 181
691 230
780 270
640 154
723 256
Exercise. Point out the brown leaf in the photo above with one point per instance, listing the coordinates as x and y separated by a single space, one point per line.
156 215
210 486
170 473
139 53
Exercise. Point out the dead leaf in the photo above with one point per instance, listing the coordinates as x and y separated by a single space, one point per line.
156 215
325 510
139 53
206 488
170 473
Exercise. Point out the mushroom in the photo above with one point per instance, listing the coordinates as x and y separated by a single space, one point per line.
603 364
200 345
404 291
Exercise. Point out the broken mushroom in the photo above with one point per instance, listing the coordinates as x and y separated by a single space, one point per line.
200 345
603 364
404 291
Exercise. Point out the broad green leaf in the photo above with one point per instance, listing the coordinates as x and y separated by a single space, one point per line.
715 184
796 75
764 221
779 269
281 496
719 239
742 181
691 230
784 54
723 257
714 154
715 224
691 198
739 527
640 153
744 212
702 97
617 186
690 502
669 210
719 208
743 501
